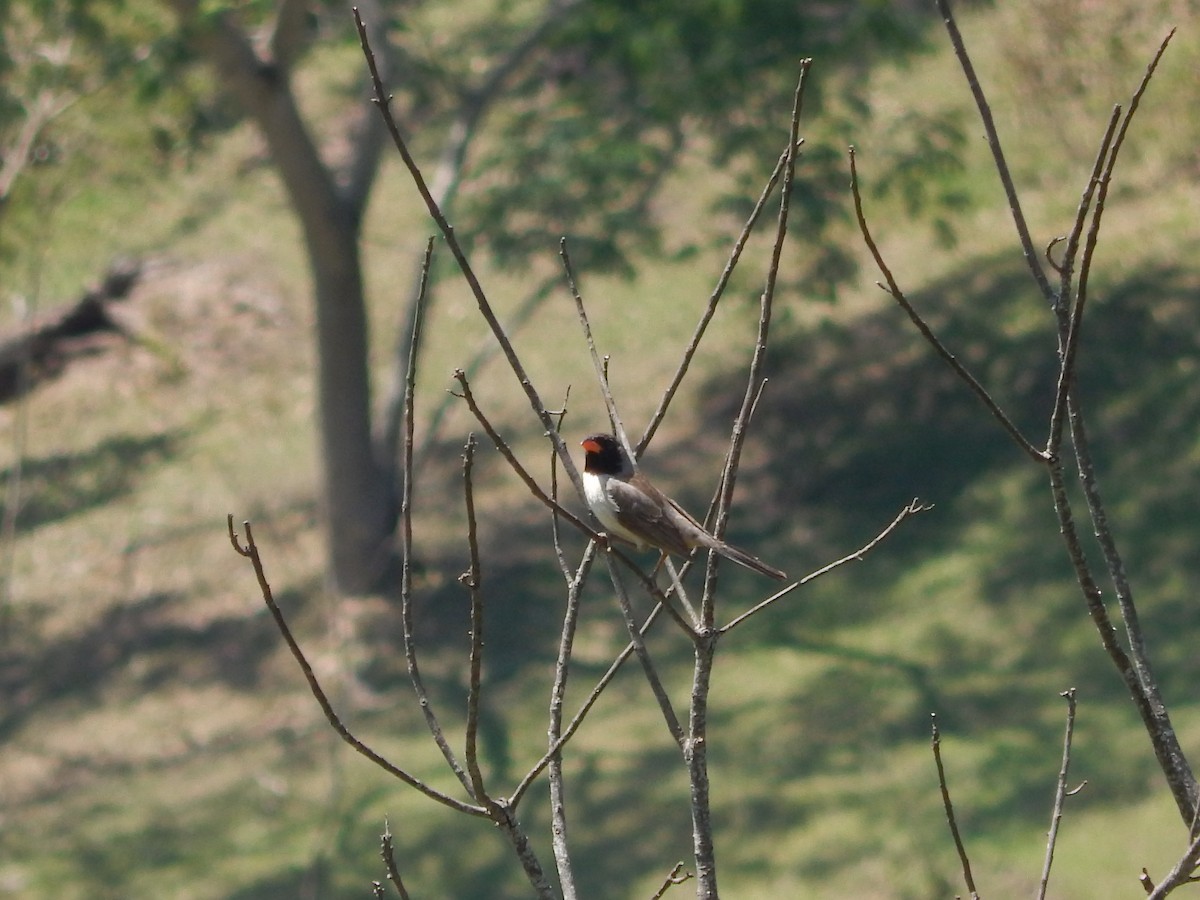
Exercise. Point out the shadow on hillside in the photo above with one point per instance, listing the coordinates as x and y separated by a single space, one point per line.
864 417
59 485
860 419
80 666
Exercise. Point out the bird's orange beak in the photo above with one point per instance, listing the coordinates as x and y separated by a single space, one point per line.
590 446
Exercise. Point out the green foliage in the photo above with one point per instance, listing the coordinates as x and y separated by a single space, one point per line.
91 93
586 139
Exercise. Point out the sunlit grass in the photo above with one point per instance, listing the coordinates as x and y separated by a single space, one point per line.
160 743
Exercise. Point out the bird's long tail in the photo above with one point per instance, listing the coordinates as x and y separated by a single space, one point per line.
742 558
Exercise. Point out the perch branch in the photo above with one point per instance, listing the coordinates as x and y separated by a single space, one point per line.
754 377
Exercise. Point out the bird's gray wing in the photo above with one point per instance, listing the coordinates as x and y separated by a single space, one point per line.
650 515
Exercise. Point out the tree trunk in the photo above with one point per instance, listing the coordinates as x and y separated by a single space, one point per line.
359 496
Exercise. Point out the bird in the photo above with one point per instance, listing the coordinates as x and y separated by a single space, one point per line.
634 510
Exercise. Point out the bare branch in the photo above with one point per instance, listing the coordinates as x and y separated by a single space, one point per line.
502 814
1070 321
555 734
1135 668
406 544
676 876
559 553
506 451
949 807
1060 792
993 139
601 366
250 551
1105 181
950 359
643 655
471 579
485 308
911 509
754 376
1182 873
357 173
585 708
558 690
711 308
387 850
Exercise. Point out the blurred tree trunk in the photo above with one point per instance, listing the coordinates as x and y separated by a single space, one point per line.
595 111
361 483
359 497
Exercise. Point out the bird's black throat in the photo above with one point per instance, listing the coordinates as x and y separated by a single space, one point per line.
608 459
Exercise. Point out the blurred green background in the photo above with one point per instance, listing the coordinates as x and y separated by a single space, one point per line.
156 740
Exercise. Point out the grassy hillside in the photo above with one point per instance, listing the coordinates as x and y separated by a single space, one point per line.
156 740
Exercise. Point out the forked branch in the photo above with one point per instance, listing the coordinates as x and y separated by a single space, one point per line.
250 551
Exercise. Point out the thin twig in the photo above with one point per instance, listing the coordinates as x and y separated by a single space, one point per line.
600 365
993 139
1156 719
1149 706
643 655
1182 873
1066 268
406 536
676 876
471 579
558 690
676 576
382 99
1071 321
500 444
555 535
754 377
1135 668
911 509
1060 792
711 308
950 359
585 708
1104 180
949 807
250 551
388 851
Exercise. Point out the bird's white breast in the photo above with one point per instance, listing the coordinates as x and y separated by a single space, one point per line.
600 502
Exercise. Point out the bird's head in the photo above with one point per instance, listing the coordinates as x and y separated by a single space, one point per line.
605 455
